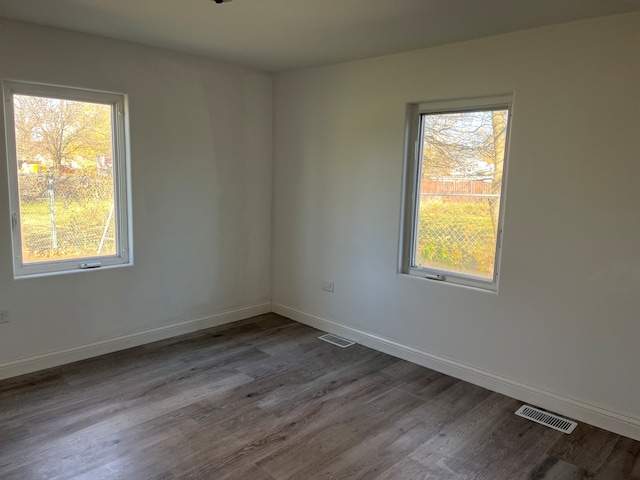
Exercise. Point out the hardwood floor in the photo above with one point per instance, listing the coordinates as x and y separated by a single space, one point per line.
264 399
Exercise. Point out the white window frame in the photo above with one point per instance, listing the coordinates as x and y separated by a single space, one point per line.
411 186
121 176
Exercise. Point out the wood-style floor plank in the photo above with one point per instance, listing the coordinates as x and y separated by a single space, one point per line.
264 399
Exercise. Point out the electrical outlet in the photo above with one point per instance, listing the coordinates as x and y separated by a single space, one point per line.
4 316
327 286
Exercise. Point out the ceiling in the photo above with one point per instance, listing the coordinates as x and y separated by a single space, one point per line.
277 35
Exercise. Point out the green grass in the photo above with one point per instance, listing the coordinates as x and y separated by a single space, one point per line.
79 228
456 237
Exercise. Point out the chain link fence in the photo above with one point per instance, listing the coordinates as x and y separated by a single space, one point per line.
456 232
66 216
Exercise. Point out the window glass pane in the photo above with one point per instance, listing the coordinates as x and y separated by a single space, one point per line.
459 191
65 178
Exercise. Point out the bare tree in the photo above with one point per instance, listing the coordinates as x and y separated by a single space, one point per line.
499 127
61 131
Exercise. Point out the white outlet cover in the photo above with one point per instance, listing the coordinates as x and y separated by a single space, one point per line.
327 286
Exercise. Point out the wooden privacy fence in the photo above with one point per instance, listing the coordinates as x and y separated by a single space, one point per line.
455 187
457 190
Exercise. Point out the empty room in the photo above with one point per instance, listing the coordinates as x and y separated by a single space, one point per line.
299 240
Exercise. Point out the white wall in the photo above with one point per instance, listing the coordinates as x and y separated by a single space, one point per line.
201 146
565 325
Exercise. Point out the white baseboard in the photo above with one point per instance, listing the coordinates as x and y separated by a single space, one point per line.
35 363
581 411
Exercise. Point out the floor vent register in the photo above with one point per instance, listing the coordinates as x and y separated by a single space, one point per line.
338 341
550 420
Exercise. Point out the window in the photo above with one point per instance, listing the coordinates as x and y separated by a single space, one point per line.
454 190
68 178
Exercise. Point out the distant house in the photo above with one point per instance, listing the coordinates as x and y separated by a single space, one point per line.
104 161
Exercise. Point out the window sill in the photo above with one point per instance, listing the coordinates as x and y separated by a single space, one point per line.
491 288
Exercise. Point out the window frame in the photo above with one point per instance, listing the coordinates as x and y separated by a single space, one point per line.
411 186
121 179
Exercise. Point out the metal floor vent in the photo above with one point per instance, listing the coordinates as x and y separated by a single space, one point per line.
550 420
339 341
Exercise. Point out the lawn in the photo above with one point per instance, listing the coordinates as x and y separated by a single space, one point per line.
79 227
456 236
